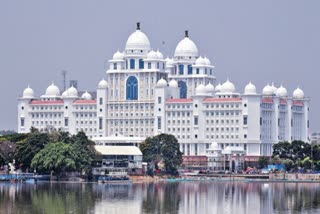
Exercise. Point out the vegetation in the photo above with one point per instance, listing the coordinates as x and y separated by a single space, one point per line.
163 147
263 161
297 154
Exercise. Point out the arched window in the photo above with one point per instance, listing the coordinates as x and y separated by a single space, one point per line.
189 69
141 64
132 66
132 88
115 66
181 69
183 89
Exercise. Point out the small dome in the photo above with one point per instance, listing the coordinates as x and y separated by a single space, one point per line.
86 96
159 54
72 92
228 87
201 90
200 61
186 48
250 89
207 61
152 55
209 87
218 87
298 94
169 62
65 94
267 90
162 83
274 89
214 146
28 93
117 56
103 84
138 40
282 92
173 84
52 91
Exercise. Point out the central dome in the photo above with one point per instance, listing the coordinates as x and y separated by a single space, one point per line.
186 48
138 40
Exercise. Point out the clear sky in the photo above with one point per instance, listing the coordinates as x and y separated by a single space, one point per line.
262 41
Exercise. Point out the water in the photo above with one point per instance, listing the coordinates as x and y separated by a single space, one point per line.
174 197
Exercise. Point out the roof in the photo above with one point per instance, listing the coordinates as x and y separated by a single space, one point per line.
179 100
212 100
85 102
118 150
298 103
118 138
283 102
267 100
46 102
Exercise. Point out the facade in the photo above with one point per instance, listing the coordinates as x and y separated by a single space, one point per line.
144 94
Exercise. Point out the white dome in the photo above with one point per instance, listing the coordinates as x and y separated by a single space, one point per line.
117 56
162 83
138 40
52 91
28 93
86 96
209 87
250 89
169 62
214 146
159 54
207 61
218 87
72 92
186 48
274 89
64 94
267 90
173 84
103 84
298 94
201 90
282 92
200 61
152 55
228 87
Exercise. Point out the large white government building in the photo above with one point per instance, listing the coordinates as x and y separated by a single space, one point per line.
144 94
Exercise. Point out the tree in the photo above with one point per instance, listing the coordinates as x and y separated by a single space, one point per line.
263 161
57 157
162 147
7 150
29 147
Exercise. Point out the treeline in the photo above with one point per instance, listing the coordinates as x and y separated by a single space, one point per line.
56 152
297 154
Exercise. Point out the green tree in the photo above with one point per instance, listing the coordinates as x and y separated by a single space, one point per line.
29 147
7 150
57 157
263 161
162 147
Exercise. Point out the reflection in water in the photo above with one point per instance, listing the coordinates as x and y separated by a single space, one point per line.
184 197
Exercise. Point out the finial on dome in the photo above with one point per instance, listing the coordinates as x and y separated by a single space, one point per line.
138 25
186 33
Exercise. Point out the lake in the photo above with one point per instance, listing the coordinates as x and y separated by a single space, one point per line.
161 197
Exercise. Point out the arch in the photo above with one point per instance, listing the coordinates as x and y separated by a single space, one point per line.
181 67
189 69
183 89
132 64
132 88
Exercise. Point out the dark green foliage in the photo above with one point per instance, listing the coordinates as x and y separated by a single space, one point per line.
263 161
57 157
7 150
163 147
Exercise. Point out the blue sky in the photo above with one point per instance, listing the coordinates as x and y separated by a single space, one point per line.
262 41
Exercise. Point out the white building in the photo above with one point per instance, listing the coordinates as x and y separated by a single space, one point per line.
144 94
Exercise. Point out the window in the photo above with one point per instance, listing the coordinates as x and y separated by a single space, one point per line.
181 67
22 122
149 65
141 64
197 70
245 136
100 101
132 64
100 123
183 89
245 120
66 121
196 120
158 65
159 100
189 69
114 66
159 122
196 149
132 88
